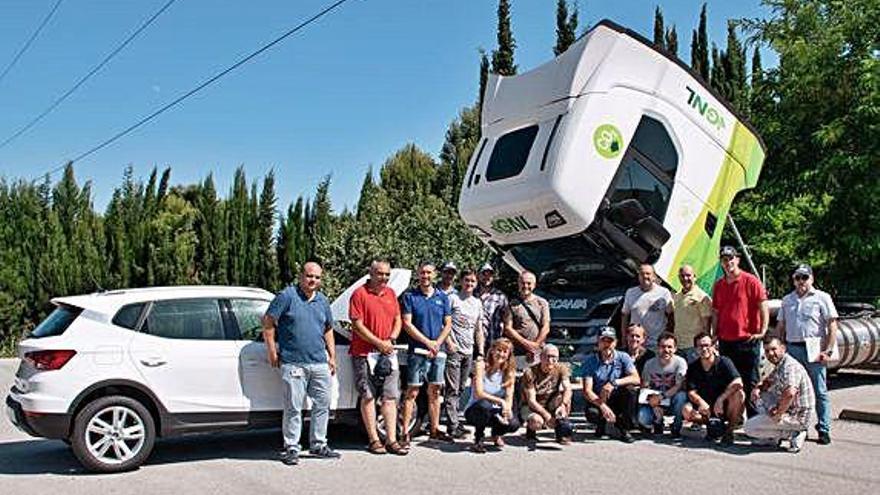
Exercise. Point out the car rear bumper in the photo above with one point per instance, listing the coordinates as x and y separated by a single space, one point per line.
46 425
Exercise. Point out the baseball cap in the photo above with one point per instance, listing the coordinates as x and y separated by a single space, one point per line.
449 265
728 252
608 333
487 267
803 269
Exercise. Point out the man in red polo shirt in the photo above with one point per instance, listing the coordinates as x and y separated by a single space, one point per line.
740 317
375 319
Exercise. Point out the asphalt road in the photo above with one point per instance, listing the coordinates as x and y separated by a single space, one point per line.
246 463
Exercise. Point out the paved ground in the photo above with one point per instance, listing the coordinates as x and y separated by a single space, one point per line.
246 463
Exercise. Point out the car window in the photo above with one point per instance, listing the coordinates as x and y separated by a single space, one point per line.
248 315
194 319
128 316
56 323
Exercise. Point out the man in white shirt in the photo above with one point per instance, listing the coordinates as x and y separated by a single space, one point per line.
650 305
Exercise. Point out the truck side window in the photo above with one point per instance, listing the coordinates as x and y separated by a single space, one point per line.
510 154
647 169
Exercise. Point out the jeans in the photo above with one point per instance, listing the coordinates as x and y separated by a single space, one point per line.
746 356
300 380
458 367
818 376
484 413
676 404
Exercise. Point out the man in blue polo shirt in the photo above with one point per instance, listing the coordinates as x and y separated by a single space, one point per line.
427 319
607 375
298 332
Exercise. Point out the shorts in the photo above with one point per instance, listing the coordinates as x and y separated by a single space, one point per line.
422 368
364 383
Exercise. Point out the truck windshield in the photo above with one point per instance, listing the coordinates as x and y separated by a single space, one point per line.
570 261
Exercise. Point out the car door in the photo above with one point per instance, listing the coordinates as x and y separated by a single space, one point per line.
261 383
183 353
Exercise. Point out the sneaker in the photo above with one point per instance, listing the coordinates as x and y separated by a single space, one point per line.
459 432
824 438
600 431
625 437
727 439
564 440
658 428
441 436
797 441
675 433
531 435
478 448
289 457
325 452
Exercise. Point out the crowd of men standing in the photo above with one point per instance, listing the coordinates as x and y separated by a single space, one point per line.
688 355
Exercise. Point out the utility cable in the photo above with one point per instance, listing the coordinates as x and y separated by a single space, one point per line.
30 40
86 77
198 88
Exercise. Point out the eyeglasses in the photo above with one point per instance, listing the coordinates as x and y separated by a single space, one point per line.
801 278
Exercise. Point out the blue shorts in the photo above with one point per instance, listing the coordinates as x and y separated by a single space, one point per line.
422 368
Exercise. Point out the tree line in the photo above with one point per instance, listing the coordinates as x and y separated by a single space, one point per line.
818 111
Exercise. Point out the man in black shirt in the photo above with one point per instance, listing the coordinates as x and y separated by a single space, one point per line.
715 391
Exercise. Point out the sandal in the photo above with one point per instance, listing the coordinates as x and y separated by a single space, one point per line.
499 441
396 449
376 447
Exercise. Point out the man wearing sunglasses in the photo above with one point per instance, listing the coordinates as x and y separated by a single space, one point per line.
809 313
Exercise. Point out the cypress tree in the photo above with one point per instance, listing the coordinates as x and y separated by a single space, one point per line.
700 47
566 27
236 228
322 216
718 79
267 266
484 77
163 185
502 58
368 189
672 41
735 68
659 30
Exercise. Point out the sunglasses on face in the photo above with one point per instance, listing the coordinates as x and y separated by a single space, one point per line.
801 278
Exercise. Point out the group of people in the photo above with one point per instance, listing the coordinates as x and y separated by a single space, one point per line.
688 355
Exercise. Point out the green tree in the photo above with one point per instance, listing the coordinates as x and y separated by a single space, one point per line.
700 47
502 58
659 30
266 261
672 41
566 27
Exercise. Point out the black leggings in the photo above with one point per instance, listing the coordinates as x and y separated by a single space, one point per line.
484 413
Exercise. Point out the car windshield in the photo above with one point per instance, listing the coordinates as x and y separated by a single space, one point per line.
569 262
56 323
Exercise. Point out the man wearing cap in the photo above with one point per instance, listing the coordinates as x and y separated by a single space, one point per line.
740 317
693 311
808 313
714 390
607 375
447 278
547 393
494 305
784 399
527 319
650 305
427 319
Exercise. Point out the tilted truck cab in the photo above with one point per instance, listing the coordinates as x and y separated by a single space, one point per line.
610 155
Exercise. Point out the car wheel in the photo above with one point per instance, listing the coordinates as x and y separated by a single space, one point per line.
112 434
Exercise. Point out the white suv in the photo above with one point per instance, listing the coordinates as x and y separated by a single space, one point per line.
109 372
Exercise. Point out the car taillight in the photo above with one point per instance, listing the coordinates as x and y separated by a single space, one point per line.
49 360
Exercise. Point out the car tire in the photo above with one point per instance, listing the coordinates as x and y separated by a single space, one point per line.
113 434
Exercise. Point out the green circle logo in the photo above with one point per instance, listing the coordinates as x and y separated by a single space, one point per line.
608 141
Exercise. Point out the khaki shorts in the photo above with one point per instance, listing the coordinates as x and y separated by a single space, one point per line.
364 385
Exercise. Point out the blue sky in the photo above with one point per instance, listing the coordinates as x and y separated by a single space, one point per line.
339 96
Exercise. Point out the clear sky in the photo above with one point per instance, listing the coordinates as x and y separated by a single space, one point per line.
337 97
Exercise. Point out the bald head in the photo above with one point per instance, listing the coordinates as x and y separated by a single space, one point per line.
310 278
687 277
527 283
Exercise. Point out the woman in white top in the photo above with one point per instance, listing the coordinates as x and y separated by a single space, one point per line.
491 401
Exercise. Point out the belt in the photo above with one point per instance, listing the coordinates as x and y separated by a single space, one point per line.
799 344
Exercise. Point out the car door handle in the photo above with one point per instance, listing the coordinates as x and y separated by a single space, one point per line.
153 362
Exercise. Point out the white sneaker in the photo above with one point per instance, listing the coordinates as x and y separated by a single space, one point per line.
797 441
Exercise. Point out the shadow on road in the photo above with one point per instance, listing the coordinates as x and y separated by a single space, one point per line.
843 379
30 457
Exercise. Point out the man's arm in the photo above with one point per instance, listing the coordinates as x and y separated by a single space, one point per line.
447 328
269 338
630 379
513 334
330 344
765 320
831 338
624 318
592 397
384 346
534 405
714 329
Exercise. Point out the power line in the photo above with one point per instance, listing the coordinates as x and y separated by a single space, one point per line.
198 88
30 40
85 78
